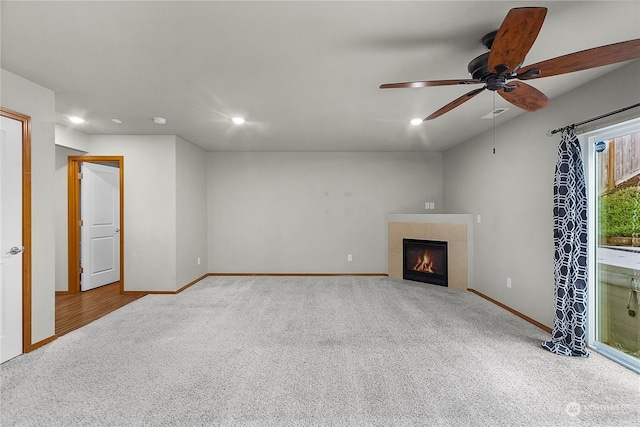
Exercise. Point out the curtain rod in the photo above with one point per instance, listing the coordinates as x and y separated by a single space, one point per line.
574 125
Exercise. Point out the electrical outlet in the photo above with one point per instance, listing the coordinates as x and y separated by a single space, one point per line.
426 205
479 218
198 260
509 282
432 205
349 258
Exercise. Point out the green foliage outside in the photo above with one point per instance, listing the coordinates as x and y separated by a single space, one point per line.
620 213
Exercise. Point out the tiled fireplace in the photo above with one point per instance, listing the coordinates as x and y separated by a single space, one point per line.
455 230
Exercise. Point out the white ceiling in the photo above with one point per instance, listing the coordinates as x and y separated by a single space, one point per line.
304 74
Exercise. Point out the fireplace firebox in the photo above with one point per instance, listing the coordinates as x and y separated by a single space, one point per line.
425 261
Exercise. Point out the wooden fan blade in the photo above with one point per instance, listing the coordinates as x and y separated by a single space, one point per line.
583 60
524 96
515 37
453 104
429 83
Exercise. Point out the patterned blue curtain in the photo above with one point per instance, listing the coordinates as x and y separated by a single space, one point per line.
570 256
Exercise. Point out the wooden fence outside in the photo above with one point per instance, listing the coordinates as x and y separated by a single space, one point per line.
620 162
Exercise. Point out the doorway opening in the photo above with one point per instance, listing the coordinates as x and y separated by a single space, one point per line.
75 224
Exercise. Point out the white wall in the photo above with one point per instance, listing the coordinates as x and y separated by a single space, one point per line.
71 138
38 102
191 212
149 227
304 212
513 191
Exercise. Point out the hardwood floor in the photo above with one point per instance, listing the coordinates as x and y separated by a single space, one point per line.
76 310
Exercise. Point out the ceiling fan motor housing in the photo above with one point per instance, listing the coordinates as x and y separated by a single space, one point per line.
478 67
479 70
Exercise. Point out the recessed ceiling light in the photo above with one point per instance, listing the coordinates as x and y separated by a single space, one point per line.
75 119
118 121
160 120
238 120
416 121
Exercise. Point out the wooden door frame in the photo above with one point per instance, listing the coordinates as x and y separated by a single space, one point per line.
74 216
26 223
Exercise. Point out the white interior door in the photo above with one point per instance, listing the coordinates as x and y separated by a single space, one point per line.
100 231
10 238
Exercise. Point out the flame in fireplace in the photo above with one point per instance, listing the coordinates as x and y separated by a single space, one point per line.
424 264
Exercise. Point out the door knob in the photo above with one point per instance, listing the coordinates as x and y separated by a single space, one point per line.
15 250
117 230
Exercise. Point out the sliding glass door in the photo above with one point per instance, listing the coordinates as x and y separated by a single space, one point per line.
614 201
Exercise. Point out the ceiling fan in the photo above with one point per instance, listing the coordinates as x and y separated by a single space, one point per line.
500 69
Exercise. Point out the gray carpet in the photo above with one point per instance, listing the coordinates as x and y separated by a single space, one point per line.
341 351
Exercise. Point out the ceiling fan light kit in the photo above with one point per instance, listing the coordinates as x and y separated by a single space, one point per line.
501 71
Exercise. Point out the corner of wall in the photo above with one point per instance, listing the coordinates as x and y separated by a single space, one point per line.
191 213
71 138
